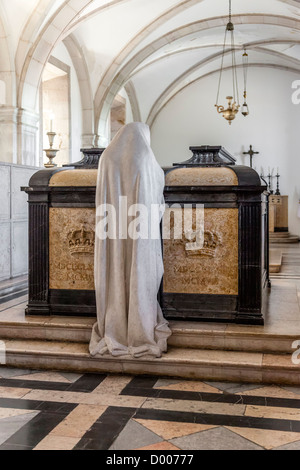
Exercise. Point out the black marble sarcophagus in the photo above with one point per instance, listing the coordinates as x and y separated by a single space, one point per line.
224 280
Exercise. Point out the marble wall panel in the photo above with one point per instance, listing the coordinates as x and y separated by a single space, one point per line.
5 250
20 177
19 254
5 192
13 220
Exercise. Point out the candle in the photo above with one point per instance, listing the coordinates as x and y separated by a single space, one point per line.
51 121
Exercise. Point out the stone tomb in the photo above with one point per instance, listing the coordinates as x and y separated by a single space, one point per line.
224 281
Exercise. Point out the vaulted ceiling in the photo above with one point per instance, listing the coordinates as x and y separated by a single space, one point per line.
153 48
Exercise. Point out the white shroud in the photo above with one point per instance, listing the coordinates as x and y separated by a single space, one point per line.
128 272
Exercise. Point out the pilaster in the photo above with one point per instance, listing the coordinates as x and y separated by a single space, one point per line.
8 134
27 137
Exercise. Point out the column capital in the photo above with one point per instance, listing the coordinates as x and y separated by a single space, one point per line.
88 140
28 118
8 114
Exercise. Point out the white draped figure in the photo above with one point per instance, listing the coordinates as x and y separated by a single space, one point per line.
128 255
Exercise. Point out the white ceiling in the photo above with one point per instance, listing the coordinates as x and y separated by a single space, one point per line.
158 46
118 33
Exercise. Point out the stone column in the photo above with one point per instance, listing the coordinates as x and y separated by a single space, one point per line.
8 134
27 137
88 140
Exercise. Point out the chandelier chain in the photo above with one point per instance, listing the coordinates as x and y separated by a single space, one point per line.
230 11
235 77
245 66
222 66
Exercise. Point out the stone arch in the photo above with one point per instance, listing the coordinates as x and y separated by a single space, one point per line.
130 90
40 51
30 32
249 45
61 23
105 94
253 65
86 94
172 89
111 72
7 70
57 27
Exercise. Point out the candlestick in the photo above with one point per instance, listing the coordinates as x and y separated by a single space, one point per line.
269 176
278 190
51 152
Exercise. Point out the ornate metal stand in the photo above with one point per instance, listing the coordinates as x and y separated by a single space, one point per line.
278 189
51 152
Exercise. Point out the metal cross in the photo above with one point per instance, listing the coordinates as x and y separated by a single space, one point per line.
251 153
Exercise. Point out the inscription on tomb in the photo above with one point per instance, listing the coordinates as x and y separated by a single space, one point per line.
71 248
211 269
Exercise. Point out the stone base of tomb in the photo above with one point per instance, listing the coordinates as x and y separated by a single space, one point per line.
206 351
276 258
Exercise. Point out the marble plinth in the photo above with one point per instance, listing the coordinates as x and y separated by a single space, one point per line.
210 351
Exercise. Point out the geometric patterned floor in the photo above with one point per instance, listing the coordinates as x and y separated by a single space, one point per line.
65 411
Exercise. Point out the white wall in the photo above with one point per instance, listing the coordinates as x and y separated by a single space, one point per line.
61 53
273 128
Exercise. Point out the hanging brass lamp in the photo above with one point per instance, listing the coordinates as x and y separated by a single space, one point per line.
233 100
245 107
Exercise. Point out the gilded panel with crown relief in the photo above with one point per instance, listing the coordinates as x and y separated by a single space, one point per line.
213 268
71 248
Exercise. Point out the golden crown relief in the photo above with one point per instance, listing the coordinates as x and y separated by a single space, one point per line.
202 247
81 240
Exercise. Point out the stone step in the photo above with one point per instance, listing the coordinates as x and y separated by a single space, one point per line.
12 286
280 240
178 362
195 335
13 281
73 330
280 234
13 295
232 337
293 277
275 261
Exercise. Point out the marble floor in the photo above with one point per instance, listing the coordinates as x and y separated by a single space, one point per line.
66 411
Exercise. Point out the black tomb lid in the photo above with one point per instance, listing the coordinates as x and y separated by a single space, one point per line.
90 159
207 155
